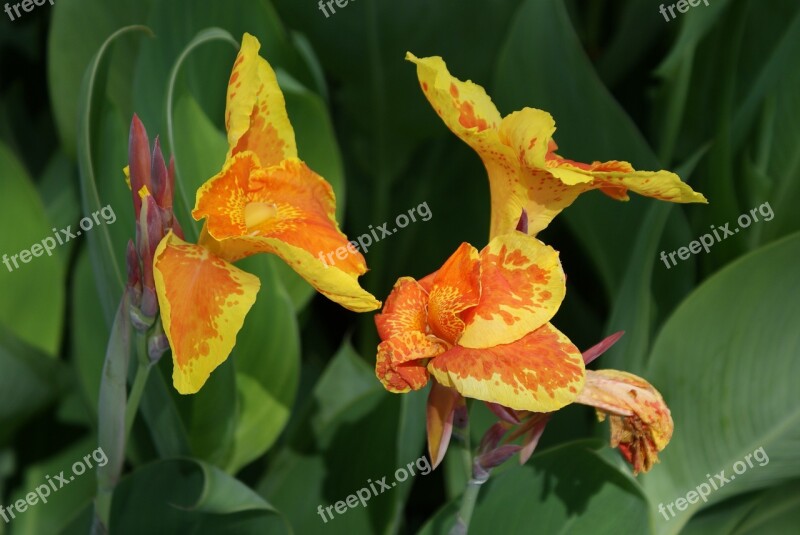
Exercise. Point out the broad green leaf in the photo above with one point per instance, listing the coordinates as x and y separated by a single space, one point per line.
634 307
268 352
725 363
64 505
58 188
188 495
33 263
771 511
210 416
29 381
348 438
158 409
568 489
261 420
88 341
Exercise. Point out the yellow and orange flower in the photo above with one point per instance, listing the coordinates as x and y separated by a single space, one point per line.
518 152
480 325
265 200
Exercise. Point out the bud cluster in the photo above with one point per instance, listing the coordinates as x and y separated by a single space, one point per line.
152 185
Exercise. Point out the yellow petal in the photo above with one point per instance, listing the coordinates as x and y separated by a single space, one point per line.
255 115
522 285
641 423
469 113
540 372
547 183
203 302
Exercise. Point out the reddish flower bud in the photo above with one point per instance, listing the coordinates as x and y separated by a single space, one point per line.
139 161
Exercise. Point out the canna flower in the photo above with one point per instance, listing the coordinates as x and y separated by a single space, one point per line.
641 424
264 200
480 325
519 154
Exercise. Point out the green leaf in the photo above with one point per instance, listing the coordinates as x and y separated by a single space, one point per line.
348 438
29 381
190 496
634 306
88 341
63 506
32 290
725 363
771 511
268 352
569 489
261 420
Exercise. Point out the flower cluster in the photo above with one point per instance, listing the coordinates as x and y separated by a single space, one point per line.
480 325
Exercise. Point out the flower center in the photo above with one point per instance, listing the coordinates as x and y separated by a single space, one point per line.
256 213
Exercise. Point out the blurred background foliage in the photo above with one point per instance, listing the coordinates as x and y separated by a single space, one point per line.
297 418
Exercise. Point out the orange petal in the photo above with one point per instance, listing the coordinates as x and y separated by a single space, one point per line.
294 219
405 310
522 286
641 423
456 288
255 115
223 199
401 361
540 372
203 301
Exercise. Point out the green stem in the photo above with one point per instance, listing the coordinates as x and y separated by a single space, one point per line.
468 500
139 382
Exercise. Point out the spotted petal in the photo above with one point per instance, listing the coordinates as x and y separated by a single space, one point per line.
406 310
401 361
549 183
540 372
455 289
469 113
290 213
522 286
255 115
203 301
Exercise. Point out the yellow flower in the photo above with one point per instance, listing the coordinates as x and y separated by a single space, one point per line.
265 200
518 152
